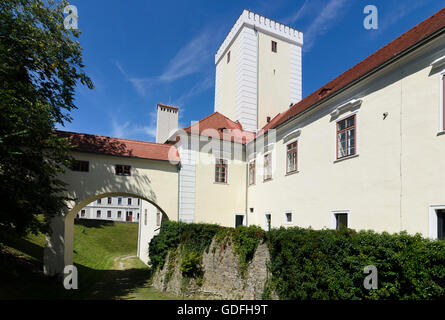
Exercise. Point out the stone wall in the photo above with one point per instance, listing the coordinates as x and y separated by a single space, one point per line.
221 278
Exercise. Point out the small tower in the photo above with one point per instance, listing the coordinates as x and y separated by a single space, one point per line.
258 70
167 122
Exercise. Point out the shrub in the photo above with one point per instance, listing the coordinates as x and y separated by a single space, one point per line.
328 264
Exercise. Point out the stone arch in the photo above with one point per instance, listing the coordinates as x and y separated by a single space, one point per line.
153 181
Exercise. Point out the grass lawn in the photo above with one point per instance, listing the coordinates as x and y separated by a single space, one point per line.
104 254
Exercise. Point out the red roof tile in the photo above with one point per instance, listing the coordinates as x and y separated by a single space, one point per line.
120 147
420 32
219 126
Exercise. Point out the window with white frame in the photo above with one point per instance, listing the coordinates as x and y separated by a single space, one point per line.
221 171
252 172
240 220
346 137
442 101
267 221
267 167
437 222
288 217
291 157
341 220
109 214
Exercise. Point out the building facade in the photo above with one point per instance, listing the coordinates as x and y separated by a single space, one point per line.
365 151
121 209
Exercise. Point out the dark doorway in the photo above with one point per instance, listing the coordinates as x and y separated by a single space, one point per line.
440 224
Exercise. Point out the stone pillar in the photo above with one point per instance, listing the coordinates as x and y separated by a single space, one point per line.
54 251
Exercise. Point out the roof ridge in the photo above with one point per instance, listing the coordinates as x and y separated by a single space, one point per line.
132 140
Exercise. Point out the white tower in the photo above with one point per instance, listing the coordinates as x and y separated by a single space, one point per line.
167 122
258 70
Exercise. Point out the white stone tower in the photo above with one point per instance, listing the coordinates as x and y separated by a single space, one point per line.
258 70
167 122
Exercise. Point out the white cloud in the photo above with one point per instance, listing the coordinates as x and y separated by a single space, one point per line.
326 18
128 130
191 58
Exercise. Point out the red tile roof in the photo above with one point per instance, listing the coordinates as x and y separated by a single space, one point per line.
420 32
120 147
219 126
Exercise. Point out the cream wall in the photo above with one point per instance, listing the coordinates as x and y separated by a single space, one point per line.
225 84
399 170
147 230
273 87
155 181
219 202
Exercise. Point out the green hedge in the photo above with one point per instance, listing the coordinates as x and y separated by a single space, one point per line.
316 264
328 264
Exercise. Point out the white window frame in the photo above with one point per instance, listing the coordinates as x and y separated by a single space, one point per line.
357 135
244 218
441 97
214 169
271 166
266 225
285 217
248 172
286 143
334 219
432 220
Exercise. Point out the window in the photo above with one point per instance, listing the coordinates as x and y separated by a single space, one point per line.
129 201
268 221
239 220
291 162
228 57
341 221
288 217
109 200
81 166
138 216
109 214
442 106
158 218
221 171
346 137
252 172
119 214
139 202
99 201
145 217
82 213
119 201
274 46
267 166
98 213
440 224
123 170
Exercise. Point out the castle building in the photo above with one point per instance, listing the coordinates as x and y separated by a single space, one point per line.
364 151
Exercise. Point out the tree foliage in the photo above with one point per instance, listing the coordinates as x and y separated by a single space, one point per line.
40 67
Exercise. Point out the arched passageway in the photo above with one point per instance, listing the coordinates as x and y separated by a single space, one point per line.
151 180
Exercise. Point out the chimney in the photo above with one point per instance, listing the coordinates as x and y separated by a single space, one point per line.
167 122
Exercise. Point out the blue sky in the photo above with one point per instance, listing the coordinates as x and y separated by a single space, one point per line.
139 53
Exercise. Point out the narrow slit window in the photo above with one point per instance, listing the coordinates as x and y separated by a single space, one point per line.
274 46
